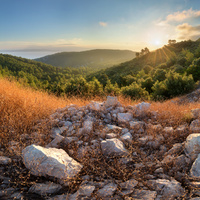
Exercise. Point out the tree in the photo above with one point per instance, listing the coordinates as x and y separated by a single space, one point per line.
171 42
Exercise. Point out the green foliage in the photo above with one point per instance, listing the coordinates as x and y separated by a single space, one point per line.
135 91
194 69
174 84
177 84
159 75
111 89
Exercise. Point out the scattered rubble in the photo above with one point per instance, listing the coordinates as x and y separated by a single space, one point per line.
105 150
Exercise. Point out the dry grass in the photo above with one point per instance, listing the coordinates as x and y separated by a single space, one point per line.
21 108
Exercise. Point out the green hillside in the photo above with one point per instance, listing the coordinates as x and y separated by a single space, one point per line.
96 59
167 57
164 73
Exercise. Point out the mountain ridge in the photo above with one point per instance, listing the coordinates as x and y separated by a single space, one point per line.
101 58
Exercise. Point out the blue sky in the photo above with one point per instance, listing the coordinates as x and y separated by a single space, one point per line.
33 28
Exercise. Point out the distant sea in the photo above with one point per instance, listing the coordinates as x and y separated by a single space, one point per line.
28 54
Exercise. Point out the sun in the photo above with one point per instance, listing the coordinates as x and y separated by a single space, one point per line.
157 42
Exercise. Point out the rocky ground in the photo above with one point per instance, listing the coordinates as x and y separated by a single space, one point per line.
104 150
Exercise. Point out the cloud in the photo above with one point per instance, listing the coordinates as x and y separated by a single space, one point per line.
104 24
186 31
180 16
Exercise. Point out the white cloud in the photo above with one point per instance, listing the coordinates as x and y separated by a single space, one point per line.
104 24
186 31
180 16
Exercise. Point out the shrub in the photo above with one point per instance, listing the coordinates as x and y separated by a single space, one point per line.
135 91
194 69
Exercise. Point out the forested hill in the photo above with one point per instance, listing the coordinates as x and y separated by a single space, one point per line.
175 57
96 59
37 74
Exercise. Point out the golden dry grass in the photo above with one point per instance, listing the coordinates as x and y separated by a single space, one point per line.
21 107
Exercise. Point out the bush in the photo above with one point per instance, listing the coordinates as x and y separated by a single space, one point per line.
194 69
178 84
135 91
174 85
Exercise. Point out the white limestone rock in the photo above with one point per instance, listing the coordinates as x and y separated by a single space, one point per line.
50 161
124 117
192 145
127 137
113 147
111 101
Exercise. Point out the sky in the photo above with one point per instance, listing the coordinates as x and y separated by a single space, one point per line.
34 28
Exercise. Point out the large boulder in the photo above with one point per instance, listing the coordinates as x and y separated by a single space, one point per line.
50 161
192 145
113 147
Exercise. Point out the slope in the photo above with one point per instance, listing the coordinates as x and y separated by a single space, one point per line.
99 58
168 55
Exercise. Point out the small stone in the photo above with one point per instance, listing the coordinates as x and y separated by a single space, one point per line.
107 190
129 185
144 194
5 160
127 137
111 101
113 147
124 117
45 188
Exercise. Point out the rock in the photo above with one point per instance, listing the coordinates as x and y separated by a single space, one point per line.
124 117
143 195
60 197
5 160
86 190
69 140
127 137
136 125
113 127
45 188
113 147
195 169
111 101
129 185
195 113
88 126
107 190
168 131
141 108
50 161
17 196
111 135
168 189
55 142
195 126
6 192
94 105
192 145
176 149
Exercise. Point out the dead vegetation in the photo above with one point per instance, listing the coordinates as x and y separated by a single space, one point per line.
23 108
